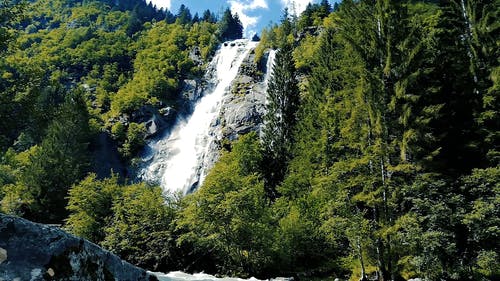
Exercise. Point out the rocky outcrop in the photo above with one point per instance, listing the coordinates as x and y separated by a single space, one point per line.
243 108
192 91
31 251
155 119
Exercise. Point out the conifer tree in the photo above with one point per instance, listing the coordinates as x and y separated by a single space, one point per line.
184 15
360 68
230 26
208 16
10 13
481 32
61 161
457 93
280 118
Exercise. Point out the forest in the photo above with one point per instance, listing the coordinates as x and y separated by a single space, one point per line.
379 157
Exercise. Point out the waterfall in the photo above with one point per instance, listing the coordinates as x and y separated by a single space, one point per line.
269 72
176 161
269 66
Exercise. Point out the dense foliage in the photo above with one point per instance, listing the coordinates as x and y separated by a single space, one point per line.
73 71
379 157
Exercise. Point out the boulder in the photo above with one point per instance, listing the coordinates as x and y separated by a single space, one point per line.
32 251
155 120
192 90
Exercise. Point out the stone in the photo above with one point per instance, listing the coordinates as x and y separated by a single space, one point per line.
167 112
154 120
242 108
35 273
192 90
50 272
3 255
40 252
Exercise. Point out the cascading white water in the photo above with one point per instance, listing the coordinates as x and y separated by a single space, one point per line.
176 160
181 276
269 66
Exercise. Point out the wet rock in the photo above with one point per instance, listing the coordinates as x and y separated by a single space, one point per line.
243 109
167 112
40 252
3 255
154 120
192 90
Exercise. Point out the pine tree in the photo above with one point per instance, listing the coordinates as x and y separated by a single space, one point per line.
61 161
481 33
208 16
360 72
184 15
280 118
10 13
230 26
454 129
169 17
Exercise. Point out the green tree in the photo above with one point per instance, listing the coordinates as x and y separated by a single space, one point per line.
184 15
208 16
227 219
61 161
89 204
481 218
353 120
10 13
280 118
480 32
230 27
139 229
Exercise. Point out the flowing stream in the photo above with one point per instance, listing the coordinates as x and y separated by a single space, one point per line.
180 276
175 161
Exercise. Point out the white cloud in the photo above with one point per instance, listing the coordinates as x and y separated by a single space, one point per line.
162 3
242 7
296 6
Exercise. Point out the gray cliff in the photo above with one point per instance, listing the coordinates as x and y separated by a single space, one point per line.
243 108
32 251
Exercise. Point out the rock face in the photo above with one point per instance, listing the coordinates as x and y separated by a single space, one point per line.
155 120
242 108
31 251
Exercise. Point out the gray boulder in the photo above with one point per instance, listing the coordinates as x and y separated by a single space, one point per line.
192 90
32 251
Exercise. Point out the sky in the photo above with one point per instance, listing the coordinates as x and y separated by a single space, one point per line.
254 14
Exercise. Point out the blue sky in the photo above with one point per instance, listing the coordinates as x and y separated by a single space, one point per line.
254 14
